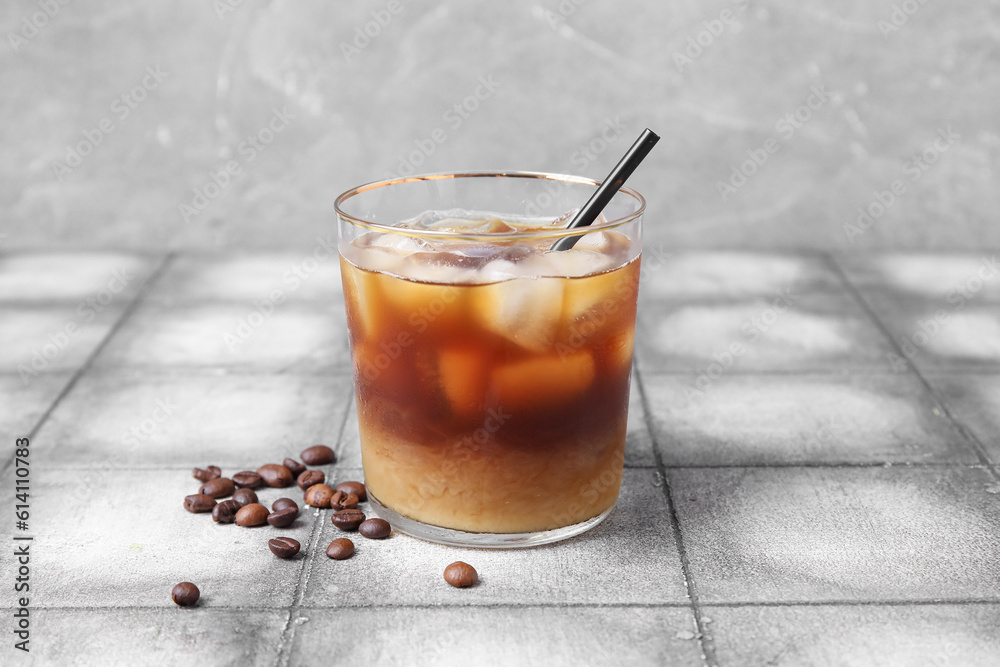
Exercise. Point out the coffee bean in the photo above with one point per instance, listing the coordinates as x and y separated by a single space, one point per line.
294 467
318 495
275 475
357 488
253 514
375 529
225 512
340 549
204 475
284 504
343 501
461 575
282 518
185 594
318 455
247 479
244 496
220 487
348 519
284 547
310 478
199 502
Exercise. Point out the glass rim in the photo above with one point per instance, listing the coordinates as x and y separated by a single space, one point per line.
439 234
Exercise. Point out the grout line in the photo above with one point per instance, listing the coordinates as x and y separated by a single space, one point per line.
127 311
966 433
288 631
957 465
832 465
148 370
937 602
177 370
736 604
838 371
704 641
339 444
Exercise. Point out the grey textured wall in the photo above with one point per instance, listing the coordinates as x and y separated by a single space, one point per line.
160 95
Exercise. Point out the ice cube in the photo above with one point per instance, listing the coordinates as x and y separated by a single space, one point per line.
423 303
470 225
403 245
514 253
441 267
360 293
525 311
375 259
497 271
579 262
543 383
604 291
463 376
620 348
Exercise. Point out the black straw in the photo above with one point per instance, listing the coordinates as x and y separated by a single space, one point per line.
615 180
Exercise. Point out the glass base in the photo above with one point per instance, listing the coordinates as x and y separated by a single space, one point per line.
458 538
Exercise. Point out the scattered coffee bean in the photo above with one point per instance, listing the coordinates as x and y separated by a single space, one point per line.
284 547
247 479
220 487
340 549
461 575
343 501
185 594
199 502
204 475
284 504
294 467
318 455
357 488
375 529
348 519
244 496
282 518
225 512
275 475
318 495
253 514
310 478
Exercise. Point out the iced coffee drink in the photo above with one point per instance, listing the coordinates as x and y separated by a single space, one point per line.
491 372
